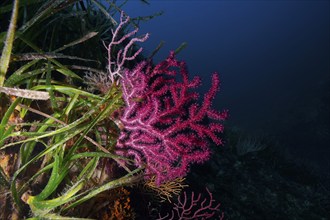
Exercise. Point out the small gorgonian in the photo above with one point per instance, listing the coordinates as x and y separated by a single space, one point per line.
191 207
102 81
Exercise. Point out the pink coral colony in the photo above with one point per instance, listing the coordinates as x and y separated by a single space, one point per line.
165 128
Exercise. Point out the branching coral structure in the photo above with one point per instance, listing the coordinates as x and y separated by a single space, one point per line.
194 208
165 128
103 81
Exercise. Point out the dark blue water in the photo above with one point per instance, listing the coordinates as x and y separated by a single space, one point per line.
273 57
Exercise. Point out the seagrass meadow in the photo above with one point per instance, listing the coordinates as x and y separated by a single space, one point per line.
86 120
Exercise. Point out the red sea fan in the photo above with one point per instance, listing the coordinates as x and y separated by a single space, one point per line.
165 128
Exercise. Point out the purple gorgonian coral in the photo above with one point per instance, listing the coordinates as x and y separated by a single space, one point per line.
165 128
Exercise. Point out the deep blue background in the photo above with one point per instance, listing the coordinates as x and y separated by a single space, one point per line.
272 56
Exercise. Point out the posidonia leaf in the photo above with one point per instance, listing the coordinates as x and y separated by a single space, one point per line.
27 149
80 40
129 178
37 174
45 10
46 56
18 75
16 80
6 117
58 66
86 68
89 169
25 93
181 47
60 143
43 207
155 51
53 180
50 90
105 12
71 104
2 38
70 91
6 52
97 154
7 133
65 71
